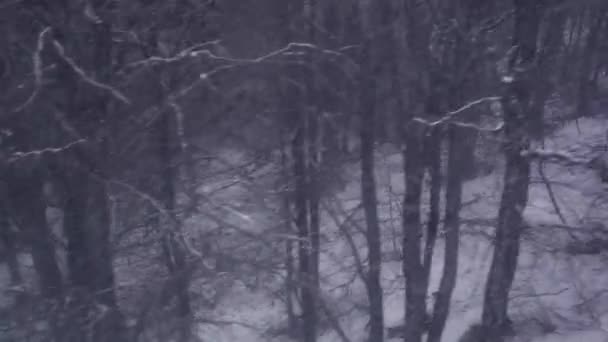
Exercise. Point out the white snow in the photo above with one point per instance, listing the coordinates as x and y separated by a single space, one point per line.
551 286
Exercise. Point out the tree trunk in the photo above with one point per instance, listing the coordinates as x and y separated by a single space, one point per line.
434 168
292 323
165 149
369 199
174 254
413 270
314 195
547 61
305 280
28 209
8 241
516 106
587 63
86 211
453 196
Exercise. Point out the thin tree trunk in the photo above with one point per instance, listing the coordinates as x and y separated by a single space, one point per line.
27 207
174 254
8 240
86 211
453 199
308 332
173 251
292 323
547 61
370 201
516 106
413 270
587 62
314 168
434 167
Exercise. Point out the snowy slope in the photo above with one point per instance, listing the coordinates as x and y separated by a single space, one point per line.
557 297
553 290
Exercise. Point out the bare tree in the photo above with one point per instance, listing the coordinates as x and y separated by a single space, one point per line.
374 66
516 103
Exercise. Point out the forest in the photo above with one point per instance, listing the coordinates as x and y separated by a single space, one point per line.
303 170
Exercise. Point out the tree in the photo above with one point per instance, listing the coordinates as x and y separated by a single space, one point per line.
516 103
370 69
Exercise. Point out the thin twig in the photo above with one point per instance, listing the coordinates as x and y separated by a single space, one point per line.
535 295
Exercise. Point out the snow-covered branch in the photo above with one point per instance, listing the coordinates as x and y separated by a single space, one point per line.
449 116
37 153
86 78
202 50
559 156
38 70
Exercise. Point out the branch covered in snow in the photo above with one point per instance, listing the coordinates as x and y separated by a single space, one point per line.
86 78
203 50
450 116
559 156
36 153
38 70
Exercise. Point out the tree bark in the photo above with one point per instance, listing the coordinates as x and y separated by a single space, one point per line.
370 201
174 254
165 148
304 244
453 202
8 240
547 61
413 270
86 213
516 104
587 62
433 165
27 207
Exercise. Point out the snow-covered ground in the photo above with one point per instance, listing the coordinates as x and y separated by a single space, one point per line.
557 297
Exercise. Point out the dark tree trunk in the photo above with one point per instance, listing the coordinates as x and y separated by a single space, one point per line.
453 200
468 160
433 164
86 213
547 61
296 103
587 62
314 195
174 254
287 217
516 104
301 203
369 199
165 148
413 270
28 209
8 241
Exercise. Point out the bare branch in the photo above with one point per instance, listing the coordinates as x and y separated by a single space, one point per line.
542 294
115 92
541 172
546 155
449 116
36 153
186 53
494 129
194 52
38 71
